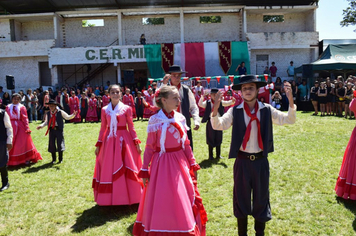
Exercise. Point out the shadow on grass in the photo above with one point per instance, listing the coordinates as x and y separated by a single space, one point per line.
42 167
99 215
19 167
350 205
209 163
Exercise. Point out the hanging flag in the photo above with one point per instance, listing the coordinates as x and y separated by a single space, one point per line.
239 53
208 79
194 59
225 56
154 60
167 50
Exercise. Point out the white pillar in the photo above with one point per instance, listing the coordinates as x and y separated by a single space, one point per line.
119 21
181 20
119 79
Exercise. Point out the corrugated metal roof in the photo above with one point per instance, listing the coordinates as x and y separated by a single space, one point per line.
41 6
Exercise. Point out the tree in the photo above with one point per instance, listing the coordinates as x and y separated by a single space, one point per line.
349 14
85 23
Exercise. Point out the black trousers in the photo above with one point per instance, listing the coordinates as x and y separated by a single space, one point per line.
190 137
56 137
251 178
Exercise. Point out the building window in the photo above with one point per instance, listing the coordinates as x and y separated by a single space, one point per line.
273 18
210 19
93 23
153 21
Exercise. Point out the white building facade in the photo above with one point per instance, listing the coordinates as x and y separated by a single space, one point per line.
53 49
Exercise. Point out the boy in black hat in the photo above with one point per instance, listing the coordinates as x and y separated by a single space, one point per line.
6 136
251 141
213 137
54 120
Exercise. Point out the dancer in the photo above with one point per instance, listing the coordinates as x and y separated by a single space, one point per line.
74 107
346 182
251 141
92 116
118 159
54 122
171 202
23 150
5 147
128 100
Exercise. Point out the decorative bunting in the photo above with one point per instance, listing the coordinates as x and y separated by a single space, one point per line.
208 79
218 79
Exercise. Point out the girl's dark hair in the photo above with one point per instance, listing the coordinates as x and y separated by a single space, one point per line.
163 93
114 85
16 95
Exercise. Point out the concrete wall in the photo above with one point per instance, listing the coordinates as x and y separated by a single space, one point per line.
293 22
37 30
25 71
78 36
18 30
26 48
168 33
227 30
5 30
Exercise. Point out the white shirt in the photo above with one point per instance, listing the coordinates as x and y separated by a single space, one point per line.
64 115
278 118
8 127
203 103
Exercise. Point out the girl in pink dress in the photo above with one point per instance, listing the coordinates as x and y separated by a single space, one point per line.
171 203
74 106
23 151
118 159
106 98
127 99
91 114
346 182
148 112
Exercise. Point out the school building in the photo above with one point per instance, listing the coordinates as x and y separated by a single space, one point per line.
54 42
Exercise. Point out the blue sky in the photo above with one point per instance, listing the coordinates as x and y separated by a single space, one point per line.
328 17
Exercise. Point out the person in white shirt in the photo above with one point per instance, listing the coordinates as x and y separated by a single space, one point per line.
251 141
6 135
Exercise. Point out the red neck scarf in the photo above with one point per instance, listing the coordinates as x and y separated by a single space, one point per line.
248 129
52 121
170 116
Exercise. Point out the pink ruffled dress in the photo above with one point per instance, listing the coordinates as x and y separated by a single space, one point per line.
92 116
23 150
115 180
74 106
171 203
346 181
148 111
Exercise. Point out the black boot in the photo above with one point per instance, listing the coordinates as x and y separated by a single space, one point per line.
218 152
4 179
260 228
60 157
242 226
53 157
211 156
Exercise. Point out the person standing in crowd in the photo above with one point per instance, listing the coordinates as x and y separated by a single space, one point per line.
314 97
251 141
6 135
290 70
118 159
303 94
5 100
266 71
148 112
171 202
330 98
28 98
64 101
54 122
294 91
84 102
278 85
128 100
198 88
227 97
322 98
99 107
340 94
142 39
154 87
1 92
106 98
23 150
188 106
346 181
34 104
276 100
348 98
241 69
273 71
197 99
139 105
92 115
213 137
74 107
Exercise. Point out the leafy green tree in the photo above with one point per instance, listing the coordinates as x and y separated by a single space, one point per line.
153 21
86 24
349 14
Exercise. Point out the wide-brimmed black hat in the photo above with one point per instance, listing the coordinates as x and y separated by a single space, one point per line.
176 69
214 90
249 79
52 102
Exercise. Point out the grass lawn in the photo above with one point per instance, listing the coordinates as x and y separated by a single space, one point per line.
58 200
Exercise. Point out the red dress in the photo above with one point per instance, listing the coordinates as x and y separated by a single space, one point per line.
106 100
91 113
115 180
128 100
346 181
148 111
23 150
74 106
201 109
171 203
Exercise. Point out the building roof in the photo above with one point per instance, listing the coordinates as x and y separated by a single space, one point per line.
42 6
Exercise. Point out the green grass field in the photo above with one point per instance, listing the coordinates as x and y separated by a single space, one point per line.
58 200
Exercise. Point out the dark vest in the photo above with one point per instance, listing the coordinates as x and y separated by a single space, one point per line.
59 119
185 104
239 129
3 135
207 111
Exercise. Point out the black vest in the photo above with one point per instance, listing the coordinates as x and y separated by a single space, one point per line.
207 111
3 134
239 129
59 119
185 104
